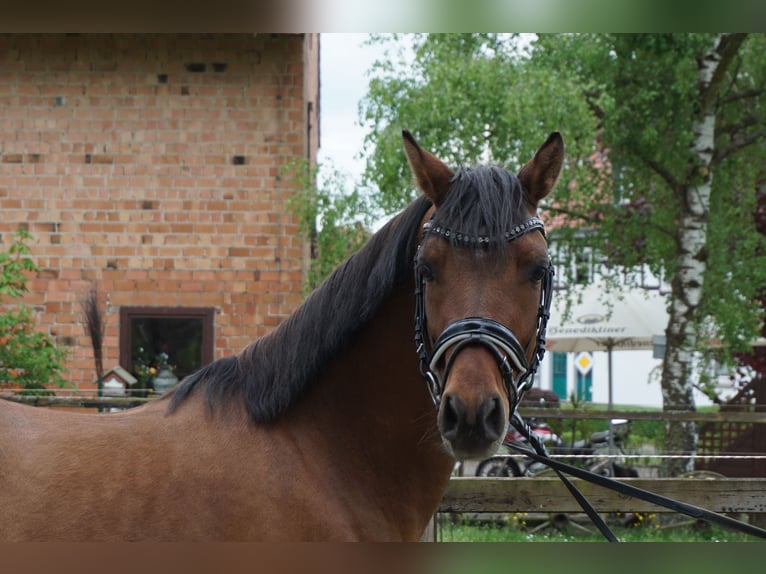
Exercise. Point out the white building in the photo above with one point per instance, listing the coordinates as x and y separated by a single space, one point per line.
636 378
635 318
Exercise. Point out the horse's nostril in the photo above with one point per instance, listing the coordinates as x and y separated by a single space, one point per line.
492 418
450 416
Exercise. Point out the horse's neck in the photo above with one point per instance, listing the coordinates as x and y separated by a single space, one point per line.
376 419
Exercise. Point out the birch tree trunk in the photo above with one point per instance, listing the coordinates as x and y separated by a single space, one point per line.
691 238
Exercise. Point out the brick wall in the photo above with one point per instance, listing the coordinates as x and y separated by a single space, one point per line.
150 165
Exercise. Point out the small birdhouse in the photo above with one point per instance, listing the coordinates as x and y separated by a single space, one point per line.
116 381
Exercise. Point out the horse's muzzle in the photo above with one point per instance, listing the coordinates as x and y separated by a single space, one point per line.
476 435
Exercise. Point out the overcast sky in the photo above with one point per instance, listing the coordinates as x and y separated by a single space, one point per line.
344 64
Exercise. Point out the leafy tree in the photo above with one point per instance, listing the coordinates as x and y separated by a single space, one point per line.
334 220
28 357
683 118
664 135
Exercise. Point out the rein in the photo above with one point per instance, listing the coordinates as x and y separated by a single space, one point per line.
540 455
512 356
496 337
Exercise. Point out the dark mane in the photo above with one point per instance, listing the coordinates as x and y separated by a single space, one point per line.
273 372
317 331
482 201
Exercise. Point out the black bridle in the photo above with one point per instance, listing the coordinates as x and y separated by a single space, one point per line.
502 343
511 357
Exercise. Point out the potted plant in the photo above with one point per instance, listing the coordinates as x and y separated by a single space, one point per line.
165 378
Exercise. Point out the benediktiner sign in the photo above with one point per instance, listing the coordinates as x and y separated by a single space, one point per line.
603 321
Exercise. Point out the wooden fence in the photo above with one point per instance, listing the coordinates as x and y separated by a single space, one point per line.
88 402
541 495
548 494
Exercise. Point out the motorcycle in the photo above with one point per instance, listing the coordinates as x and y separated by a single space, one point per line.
602 452
505 463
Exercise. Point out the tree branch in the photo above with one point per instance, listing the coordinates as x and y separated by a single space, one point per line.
738 127
664 173
742 95
724 152
594 218
727 48
590 98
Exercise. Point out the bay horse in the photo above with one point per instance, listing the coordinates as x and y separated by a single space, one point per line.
323 429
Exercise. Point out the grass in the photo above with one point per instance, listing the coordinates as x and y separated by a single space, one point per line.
647 528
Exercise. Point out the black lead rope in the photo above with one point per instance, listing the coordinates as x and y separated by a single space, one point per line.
538 445
623 488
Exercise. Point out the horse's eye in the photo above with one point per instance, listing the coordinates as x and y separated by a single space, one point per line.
538 273
425 271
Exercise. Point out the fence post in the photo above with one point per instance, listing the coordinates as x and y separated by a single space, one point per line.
429 534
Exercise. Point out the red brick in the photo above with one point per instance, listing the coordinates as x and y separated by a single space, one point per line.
159 216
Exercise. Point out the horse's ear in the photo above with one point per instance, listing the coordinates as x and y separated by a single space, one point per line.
432 175
539 175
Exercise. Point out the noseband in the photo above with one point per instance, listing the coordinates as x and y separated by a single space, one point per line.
501 342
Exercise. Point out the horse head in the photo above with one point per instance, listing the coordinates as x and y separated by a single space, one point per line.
483 287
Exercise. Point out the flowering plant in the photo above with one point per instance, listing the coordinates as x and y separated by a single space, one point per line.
146 366
162 360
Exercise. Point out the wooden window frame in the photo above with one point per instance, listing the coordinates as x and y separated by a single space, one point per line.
206 314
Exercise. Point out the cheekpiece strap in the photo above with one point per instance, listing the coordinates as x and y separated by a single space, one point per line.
498 338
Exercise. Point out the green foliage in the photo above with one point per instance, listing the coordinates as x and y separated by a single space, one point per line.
736 275
28 357
647 96
467 98
519 527
639 87
647 432
13 265
626 105
335 221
